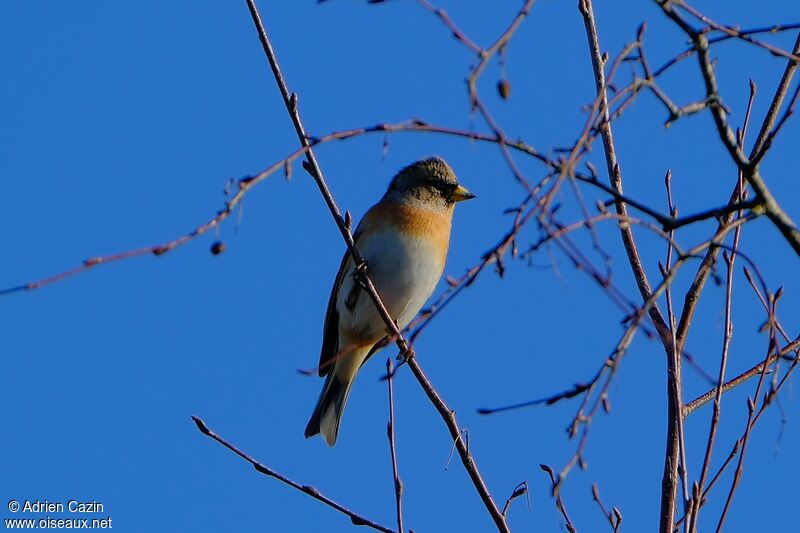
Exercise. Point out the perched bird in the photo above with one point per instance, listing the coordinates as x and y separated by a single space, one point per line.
404 239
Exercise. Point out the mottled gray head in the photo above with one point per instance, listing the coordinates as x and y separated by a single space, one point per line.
430 179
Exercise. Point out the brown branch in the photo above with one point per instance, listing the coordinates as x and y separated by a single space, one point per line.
608 369
635 316
775 105
734 452
674 364
732 383
694 510
558 233
614 516
447 21
751 412
736 34
692 297
520 490
763 298
484 56
576 390
244 185
559 501
774 132
614 172
772 30
669 482
690 51
355 518
773 210
448 415
769 302
398 483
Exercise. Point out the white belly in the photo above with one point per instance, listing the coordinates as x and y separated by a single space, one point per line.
405 272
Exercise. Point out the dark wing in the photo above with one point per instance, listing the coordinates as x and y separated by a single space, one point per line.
330 331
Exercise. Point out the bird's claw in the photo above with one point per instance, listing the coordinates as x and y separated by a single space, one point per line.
407 354
360 270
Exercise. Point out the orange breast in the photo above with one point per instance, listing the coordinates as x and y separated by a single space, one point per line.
416 221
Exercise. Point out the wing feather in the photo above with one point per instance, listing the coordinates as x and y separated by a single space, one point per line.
330 330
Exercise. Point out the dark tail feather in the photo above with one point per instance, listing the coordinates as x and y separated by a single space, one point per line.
329 409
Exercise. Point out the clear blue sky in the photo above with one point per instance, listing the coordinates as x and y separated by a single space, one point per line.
122 122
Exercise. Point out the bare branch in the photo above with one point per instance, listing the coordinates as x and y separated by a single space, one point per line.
559 501
398 484
777 215
614 516
669 483
355 518
520 490
694 510
787 350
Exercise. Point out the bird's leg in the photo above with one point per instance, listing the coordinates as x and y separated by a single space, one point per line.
406 354
360 272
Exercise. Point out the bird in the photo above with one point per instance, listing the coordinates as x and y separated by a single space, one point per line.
404 240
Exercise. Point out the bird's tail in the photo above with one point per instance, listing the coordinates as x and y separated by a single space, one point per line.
330 406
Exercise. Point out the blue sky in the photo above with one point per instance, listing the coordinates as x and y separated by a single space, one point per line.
122 122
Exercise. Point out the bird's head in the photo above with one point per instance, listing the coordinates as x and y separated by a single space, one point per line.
431 181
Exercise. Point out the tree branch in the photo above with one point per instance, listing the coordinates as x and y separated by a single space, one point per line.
356 518
670 480
774 211
398 484
732 383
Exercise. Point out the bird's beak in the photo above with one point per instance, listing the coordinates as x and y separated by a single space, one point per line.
462 193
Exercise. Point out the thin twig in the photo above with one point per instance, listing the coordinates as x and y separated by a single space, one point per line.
669 482
692 297
520 490
559 501
693 512
732 383
356 518
775 104
614 516
736 34
751 403
398 483
674 366
447 21
774 211
244 185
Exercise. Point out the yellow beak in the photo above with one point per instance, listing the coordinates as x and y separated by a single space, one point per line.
462 193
